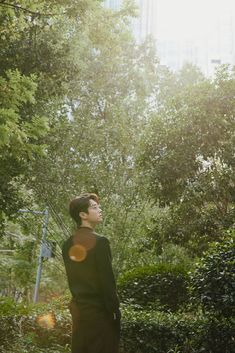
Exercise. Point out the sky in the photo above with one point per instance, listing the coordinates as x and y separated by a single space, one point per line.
190 19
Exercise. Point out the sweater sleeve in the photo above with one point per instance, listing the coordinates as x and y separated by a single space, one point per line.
107 280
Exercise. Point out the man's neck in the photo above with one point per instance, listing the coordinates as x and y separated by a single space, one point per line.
87 225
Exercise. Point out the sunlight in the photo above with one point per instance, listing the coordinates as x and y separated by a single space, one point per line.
190 19
46 321
77 253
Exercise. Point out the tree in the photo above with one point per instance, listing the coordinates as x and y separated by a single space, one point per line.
18 137
93 86
213 279
188 156
93 148
36 67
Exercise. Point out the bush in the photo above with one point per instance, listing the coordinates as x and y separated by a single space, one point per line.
10 319
213 280
9 307
21 347
152 332
42 325
142 332
160 332
162 286
215 336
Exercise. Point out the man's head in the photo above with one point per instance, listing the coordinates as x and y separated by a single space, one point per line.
85 210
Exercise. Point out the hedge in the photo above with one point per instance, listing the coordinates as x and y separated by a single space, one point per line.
24 327
213 280
159 332
142 332
162 286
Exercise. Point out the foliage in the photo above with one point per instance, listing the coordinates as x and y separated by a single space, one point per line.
150 332
213 280
40 326
175 255
19 135
20 249
9 307
142 331
187 156
75 63
10 317
81 103
24 347
36 67
90 147
162 286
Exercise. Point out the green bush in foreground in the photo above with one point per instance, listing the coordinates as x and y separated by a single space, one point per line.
43 326
162 286
159 332
22 347
213 281
142 332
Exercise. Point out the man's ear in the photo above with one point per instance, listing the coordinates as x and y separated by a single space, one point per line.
83 215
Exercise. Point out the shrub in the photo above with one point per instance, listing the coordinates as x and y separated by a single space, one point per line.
160 332
22 347
152 332
31 325
11 318
213 280
9 307
215 336
162 285
142 332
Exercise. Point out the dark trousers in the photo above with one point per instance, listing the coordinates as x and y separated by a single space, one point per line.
96 335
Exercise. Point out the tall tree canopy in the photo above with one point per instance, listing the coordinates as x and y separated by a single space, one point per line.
188 155
38 65
82 103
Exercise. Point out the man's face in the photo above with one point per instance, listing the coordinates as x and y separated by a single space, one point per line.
94 215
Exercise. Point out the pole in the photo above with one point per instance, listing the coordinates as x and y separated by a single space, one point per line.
40 259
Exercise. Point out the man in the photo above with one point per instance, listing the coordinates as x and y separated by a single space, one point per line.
87 257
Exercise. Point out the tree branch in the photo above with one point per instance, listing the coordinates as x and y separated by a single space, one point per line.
18 7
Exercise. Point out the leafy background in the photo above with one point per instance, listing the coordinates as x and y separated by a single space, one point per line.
85 107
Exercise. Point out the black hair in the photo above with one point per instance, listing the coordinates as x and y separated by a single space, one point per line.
81 204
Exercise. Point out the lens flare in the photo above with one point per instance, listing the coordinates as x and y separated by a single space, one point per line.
77 253
46 321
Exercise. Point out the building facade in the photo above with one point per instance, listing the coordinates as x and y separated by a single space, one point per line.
214 47
144 24
113 4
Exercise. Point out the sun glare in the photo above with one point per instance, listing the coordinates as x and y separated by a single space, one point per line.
77 253
190 19
46 321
